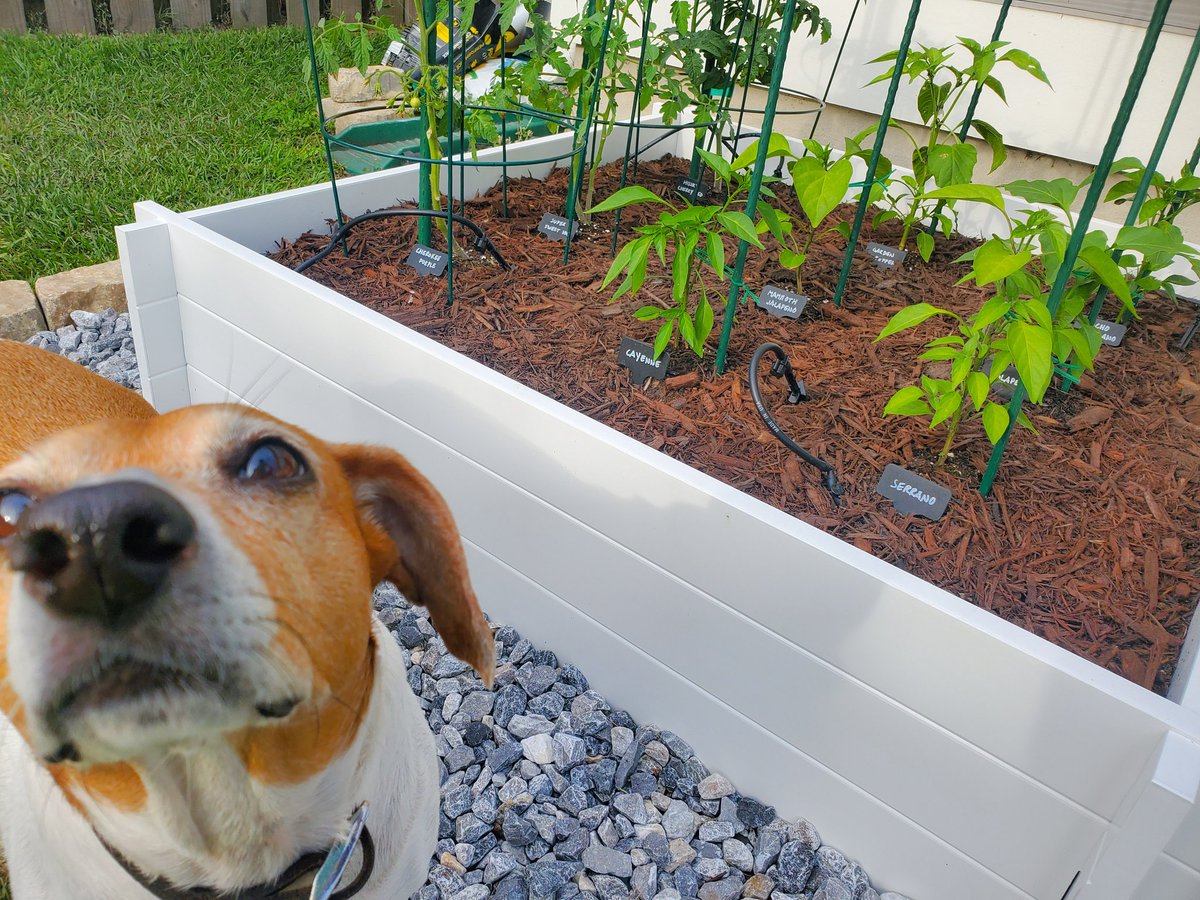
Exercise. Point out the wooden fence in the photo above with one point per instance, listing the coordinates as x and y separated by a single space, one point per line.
129 16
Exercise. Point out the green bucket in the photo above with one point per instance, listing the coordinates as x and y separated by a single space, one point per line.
403 136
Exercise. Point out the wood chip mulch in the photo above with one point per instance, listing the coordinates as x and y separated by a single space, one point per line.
1091 537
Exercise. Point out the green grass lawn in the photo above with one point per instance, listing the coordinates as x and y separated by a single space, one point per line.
90 125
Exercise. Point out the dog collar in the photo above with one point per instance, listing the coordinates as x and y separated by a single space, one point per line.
327 864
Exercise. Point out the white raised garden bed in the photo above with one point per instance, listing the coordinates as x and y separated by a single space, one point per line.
958 756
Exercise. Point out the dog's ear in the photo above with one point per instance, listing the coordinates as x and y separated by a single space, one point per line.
413 542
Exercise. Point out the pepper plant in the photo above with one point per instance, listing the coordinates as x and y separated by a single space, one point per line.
820 184
692 238
1014 326
942 159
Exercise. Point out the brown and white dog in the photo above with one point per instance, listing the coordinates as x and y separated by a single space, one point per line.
190 669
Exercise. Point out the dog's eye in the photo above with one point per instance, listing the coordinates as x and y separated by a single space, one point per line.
12 505
271 460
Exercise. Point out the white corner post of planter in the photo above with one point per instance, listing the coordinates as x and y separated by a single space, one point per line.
153 300
1147 821
956 755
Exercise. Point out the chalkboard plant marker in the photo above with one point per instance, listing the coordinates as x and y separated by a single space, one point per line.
780 302
638 357
554 227
1111 333
427 261
913 495
886 257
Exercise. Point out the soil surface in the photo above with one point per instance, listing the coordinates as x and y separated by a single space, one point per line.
1091 537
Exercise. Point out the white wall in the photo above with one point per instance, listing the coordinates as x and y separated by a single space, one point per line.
1088 62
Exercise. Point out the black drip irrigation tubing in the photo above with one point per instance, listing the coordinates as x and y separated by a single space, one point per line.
796 393
482 241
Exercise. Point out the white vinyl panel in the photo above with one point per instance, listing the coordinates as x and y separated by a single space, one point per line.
996 685
1169 880
1185 846
255 223
937 780
168 391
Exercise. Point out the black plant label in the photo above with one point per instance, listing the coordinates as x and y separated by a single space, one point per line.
884 256
1111 333
913 495
638 358
695 190
780 302
427 261
555 227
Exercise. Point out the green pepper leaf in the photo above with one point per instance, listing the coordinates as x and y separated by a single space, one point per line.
908 401
911 316
995 421
1030 346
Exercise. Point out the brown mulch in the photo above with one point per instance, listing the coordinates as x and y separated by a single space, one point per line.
1091 537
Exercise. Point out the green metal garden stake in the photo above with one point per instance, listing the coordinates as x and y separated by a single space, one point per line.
450 155
637 108
1143 188
971 107
869 181
312 59
1095 191
577 168
503 134
424 192
760 164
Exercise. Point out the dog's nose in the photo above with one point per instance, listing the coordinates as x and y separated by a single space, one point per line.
101 552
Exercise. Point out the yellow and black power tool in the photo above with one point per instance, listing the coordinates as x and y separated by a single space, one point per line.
481 39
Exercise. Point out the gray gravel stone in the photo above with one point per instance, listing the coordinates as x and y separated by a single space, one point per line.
536 679
498 865
754 814
523 726
687 882
512 887
794 867
457 801
726 889
737 855
632 806
468 828
538 749
714 787
569 751
518 831
610 887
547 877
605 861
473 892
833 890
622 738
758 887
717 831
681 854
679 821
644 882
806 833
710 869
